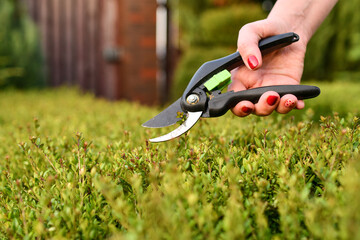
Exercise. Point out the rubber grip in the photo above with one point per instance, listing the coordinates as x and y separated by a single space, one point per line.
220 104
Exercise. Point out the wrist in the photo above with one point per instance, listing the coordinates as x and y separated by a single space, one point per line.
290 23
303 17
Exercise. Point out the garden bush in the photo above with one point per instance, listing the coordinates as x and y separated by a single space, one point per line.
220 27
335 46
21 61
76 167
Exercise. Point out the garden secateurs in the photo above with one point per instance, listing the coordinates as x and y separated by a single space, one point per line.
203 96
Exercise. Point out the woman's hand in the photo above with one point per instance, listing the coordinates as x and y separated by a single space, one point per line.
282 67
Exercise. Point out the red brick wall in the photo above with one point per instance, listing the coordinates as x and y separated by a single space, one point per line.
139 39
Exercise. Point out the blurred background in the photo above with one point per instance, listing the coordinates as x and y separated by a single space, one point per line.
147 50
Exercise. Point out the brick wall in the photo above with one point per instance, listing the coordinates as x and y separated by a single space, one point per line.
139 41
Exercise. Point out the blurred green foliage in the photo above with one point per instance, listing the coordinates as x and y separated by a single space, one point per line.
211 22
209 26
335 47
76 167
220 27
21 62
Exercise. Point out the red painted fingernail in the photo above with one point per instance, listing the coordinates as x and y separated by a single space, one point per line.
253 62
246 110
271 100
289 103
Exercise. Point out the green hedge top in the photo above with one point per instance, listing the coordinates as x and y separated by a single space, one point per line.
72 173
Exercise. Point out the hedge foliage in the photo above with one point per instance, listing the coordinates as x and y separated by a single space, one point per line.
21 62
335 46
221 27
76 167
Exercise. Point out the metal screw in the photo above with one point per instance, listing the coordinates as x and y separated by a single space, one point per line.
192 99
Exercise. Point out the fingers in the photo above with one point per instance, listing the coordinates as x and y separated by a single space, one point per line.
268 102
248 42
248 47
300 104
243 108
287 103
276 72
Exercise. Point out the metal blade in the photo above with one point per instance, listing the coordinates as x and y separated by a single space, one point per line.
167 117
192 118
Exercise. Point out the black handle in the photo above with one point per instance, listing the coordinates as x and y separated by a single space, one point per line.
220 104
234 60
266 45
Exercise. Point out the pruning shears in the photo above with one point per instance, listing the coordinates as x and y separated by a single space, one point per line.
203 96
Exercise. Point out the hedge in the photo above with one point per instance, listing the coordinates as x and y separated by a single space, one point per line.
76 167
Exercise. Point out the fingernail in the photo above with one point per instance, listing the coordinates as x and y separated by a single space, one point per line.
290 103
246 110
271 100
253 62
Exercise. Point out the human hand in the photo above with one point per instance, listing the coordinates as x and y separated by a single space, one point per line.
282 67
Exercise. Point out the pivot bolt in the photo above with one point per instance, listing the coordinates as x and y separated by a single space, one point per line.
192 99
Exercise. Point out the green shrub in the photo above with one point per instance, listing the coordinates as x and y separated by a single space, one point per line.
186 14
201 22
220 27
335 46
7 72
75 167
21 63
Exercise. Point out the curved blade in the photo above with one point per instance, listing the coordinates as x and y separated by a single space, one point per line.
192 118
167 117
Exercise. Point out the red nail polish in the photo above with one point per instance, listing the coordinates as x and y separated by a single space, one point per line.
289 103
246 110
271 100
253 62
